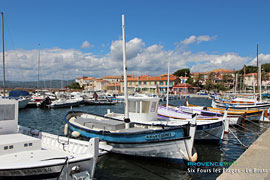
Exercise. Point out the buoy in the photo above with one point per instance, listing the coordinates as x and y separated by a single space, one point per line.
66 129
75 134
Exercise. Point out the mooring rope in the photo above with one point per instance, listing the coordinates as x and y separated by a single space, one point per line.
238 139
245 129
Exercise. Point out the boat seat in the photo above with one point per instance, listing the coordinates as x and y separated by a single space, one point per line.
108 124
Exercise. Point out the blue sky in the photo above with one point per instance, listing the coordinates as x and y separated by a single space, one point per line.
197 33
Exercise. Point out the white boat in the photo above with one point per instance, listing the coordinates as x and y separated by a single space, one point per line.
144 110
159 142
62 103
31 154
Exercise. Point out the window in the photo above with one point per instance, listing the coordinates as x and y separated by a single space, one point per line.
7 112
11 147
30 144
155 82
145 82
161 82
145 106
25 145
140 83
6 147
132 106
153 106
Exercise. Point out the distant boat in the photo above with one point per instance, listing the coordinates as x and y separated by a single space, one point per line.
62 103
31 154
99 102
22 96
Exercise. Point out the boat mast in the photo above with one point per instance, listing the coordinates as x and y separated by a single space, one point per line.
168 88
126 117
38 64
3 45
257 66
259 82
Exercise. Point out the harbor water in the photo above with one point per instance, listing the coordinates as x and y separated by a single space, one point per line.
117 167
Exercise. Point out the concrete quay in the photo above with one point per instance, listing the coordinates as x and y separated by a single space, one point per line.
254 163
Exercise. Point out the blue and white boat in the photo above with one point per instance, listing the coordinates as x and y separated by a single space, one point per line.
125 137
172 143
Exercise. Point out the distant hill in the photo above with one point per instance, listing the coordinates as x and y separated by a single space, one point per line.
33 84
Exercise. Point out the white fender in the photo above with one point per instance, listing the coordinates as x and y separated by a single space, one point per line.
66 129
75 134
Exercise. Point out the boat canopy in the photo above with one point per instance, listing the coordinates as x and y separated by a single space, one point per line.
18 93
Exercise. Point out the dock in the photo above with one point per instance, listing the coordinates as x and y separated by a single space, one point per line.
254 163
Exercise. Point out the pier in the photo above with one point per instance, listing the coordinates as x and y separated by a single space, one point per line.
254 163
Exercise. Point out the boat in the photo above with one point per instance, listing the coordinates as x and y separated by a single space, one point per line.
63 102
145 111
21 96
98 102
30 154
124 137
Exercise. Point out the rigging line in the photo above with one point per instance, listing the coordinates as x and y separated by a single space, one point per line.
13 44
148 170
245 129
238 139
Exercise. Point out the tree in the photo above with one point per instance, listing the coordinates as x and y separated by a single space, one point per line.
182 72
249 69
211 76
74 85
209 85
190 81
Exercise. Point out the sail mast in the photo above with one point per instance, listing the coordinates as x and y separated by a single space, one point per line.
126 118
168 82
38 64
3 45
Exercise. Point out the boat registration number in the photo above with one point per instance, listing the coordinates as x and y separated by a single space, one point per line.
160 136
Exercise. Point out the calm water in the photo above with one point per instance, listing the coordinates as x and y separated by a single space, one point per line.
114 166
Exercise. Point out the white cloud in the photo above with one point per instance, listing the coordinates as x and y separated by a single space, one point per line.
263 58
86 44
192 39
22 64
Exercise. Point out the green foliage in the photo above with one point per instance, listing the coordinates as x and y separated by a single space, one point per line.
182 72
266 67
74 85
190 81
209 85
249 69
220 87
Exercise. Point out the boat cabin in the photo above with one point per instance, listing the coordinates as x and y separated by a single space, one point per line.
8 116
142 109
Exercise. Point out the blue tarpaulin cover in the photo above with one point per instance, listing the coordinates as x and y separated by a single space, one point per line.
18 93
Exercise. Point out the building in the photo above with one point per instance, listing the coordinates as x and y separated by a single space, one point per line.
113 79
149 84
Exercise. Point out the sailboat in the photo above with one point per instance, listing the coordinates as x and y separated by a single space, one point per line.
125 137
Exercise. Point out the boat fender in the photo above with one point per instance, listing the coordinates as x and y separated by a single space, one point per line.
66 129
194 157
127 120
75 134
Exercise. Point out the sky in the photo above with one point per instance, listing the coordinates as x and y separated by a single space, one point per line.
85 37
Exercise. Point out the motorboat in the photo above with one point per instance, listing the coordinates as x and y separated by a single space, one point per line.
31 154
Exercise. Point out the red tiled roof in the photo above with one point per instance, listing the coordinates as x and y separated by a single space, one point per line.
112 77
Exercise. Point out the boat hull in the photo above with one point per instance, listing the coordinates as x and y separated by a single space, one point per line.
44 172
